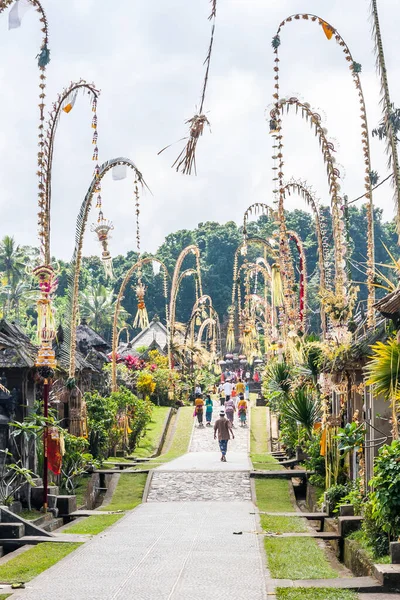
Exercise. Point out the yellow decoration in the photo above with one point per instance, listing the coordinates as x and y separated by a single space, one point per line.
328 30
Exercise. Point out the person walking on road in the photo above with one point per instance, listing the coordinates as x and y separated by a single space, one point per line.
247 390
242 410
240 387
221 394
227 390
209 410
199 410
224 429
230 409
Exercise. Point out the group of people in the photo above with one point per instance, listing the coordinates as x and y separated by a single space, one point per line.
232 400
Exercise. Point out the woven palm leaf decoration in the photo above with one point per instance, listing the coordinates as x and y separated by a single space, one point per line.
186 161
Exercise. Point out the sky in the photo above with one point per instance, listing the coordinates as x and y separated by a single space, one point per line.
146 57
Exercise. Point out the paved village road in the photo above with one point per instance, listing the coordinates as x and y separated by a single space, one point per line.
179 545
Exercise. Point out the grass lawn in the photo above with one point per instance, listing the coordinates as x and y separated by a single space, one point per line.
29 564
181 437
4 596
259 441
282 524
265 462
297 558
314 594
258 430
29 515
154 430
81 489
93 525
273 495
128 493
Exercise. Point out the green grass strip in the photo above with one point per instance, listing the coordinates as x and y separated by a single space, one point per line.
258 430
4 596
282 524
34 561
273 495
93 525
128 493
149 443
314 594
265 462
30 515
182 435
297 558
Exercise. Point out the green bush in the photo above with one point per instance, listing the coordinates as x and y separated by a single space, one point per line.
335 495
375 536
138 411
385 498
102 415
315 461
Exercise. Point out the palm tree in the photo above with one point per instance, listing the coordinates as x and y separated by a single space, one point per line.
388 113
383 372
12 260
97 306
303 407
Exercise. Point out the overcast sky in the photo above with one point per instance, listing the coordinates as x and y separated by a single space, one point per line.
146 57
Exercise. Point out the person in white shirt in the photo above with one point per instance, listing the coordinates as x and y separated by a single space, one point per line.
227 390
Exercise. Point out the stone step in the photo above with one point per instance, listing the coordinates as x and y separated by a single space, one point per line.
112 471
309 516
11 530
284 474
66 505
53 525
32 540
89 513
388 576
341 583
378 596
319 535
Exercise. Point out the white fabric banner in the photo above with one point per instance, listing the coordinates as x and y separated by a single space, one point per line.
156 267
17 12
119 172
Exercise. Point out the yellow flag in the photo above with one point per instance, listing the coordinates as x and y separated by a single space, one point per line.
328 30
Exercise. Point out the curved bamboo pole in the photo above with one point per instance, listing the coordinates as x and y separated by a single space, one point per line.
241 250
257 207
76 261
176 281
308 195
355 69
284 255
138 265
303 277
333 175
46 160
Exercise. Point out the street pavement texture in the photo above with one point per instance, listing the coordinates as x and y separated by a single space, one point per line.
180 544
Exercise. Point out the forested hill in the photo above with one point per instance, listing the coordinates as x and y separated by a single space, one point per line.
217 244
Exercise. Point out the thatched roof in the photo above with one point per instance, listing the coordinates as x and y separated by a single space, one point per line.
389 306
16 349
86 337
362 347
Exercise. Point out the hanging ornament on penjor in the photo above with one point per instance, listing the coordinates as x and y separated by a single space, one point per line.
186 161
142 318
102 229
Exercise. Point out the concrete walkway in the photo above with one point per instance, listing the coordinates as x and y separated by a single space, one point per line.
175 550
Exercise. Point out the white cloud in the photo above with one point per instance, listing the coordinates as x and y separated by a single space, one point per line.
146 57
